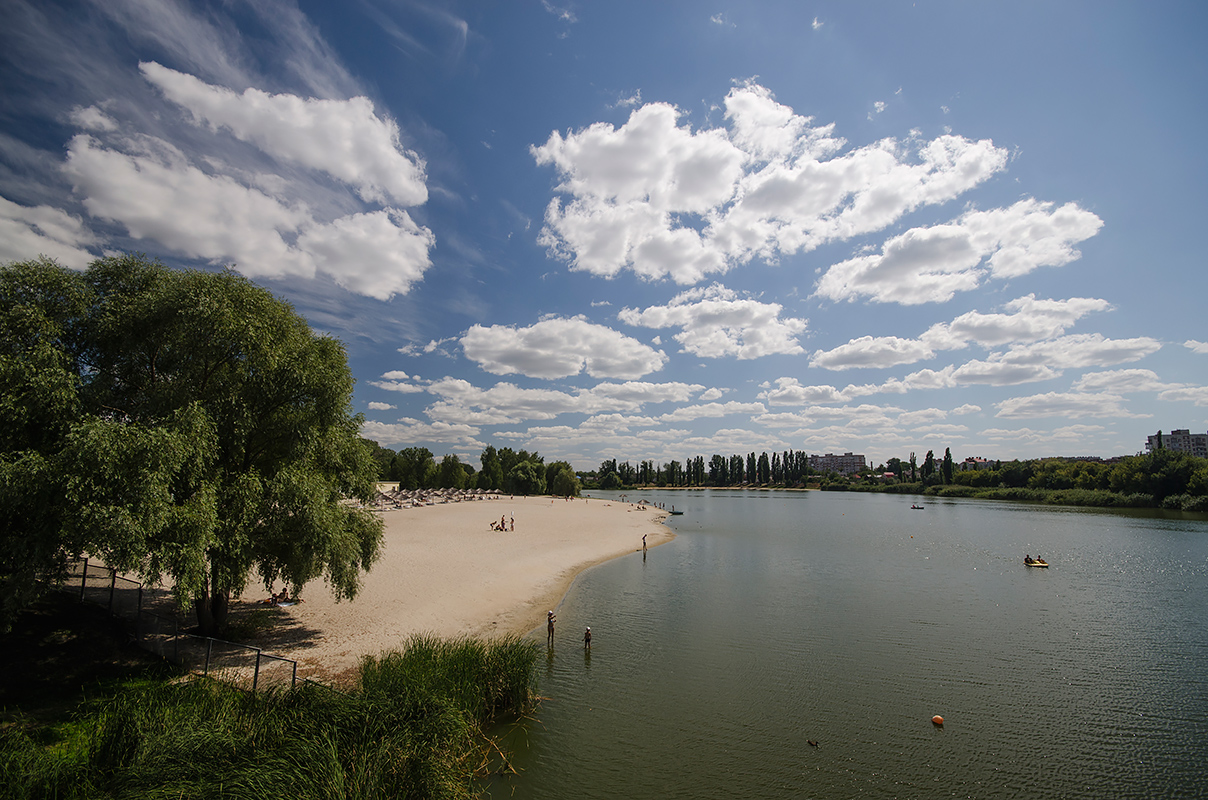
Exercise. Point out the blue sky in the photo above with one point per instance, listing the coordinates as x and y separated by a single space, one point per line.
659 230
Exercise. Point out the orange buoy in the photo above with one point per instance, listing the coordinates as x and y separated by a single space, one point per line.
937 719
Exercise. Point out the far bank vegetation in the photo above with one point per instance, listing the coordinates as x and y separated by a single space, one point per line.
1162 479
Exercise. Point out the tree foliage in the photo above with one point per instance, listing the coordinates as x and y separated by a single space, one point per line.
561 480
180 423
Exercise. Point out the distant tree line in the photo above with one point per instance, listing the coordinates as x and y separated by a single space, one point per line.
786 469
1163 478
1160 479
502 469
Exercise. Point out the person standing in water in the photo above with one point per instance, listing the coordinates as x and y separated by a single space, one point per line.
549 628
587 639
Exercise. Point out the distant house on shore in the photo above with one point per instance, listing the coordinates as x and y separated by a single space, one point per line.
973 463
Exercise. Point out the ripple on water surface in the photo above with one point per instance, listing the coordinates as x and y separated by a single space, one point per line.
774 620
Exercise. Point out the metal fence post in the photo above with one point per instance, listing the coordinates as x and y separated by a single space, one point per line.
112 587
256 674
294 680
209 646
138 615
84 580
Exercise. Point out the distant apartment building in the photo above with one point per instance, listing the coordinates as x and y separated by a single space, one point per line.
974 463
1182 440
845 464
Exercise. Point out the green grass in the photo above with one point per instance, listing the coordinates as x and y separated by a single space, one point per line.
413 727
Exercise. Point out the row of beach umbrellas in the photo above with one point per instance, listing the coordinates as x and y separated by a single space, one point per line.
411 498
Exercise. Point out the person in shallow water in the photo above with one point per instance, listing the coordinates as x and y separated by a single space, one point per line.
549 627
587 639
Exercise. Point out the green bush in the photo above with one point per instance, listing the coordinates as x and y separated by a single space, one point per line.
1013 493
1192 503
903 488
955 491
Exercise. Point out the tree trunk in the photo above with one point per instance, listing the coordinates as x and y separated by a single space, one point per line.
212 612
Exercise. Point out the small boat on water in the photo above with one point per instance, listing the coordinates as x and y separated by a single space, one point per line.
1035 562
675 513
916 508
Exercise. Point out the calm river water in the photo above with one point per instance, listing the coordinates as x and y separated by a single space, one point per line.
780 618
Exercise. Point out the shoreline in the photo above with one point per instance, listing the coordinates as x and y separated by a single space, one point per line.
444 571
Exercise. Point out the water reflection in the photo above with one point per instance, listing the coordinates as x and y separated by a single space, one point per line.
780 619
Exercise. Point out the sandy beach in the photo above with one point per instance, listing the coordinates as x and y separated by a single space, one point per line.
443 570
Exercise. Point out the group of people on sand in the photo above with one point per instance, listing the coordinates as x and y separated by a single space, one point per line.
549 631
282 598
502 524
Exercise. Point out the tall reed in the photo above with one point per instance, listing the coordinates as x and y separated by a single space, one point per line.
413 727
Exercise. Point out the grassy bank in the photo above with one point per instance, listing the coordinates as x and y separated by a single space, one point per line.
1096 498
411 727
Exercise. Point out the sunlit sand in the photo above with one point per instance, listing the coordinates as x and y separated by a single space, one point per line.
443 570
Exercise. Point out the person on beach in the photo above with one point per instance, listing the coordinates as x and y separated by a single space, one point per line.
549 628
643 543
587 639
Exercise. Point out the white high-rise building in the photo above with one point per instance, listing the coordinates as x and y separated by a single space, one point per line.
845 464
1183 441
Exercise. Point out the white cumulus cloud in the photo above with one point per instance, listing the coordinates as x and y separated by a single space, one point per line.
378 254
655 197
1121 381
869 351
1192 394
1027 320
408 431
1080 351
715 321
398 386
278 208
344 138
157 194
1074 405
26 232
790 392
930 265
506 402
559 348
712 410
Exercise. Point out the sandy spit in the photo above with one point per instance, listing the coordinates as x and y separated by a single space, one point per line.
444 571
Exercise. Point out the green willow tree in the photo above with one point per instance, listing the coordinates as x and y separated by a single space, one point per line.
561 480
42 307
201 430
